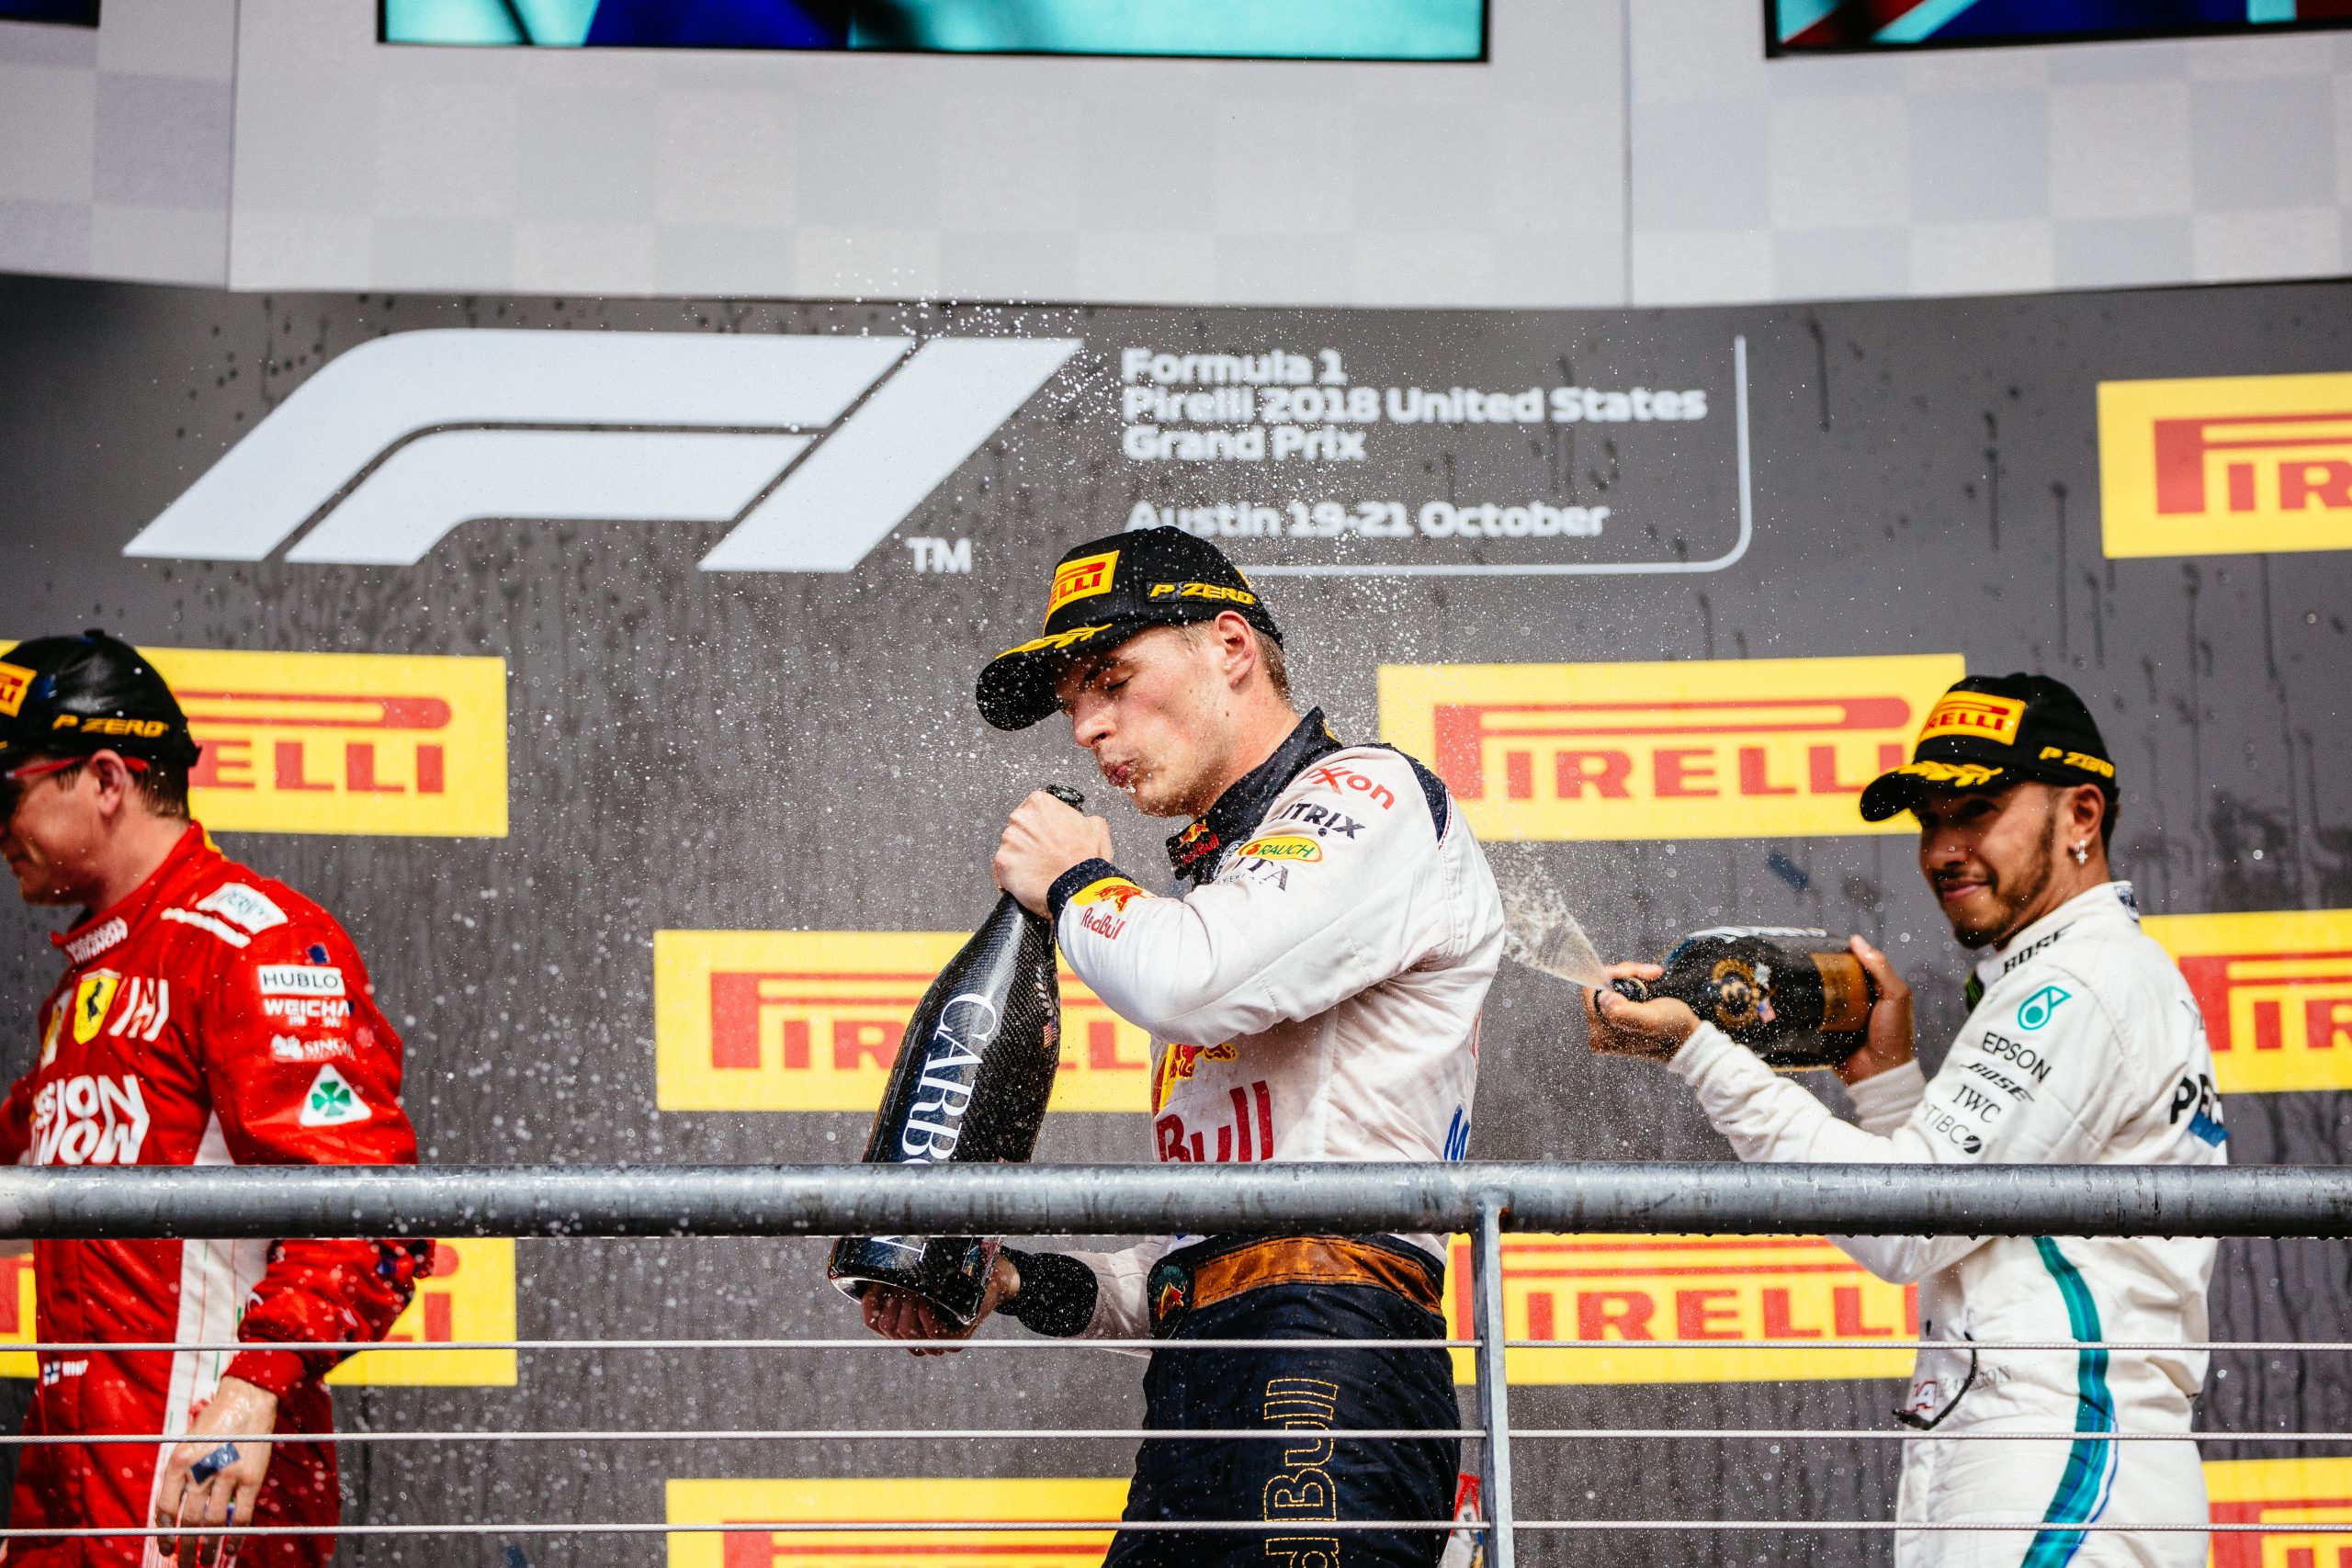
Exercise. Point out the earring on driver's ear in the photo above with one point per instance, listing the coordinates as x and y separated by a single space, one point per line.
2082 853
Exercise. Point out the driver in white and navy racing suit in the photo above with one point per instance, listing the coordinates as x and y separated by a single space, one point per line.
2083 1046
1313 994
1312 985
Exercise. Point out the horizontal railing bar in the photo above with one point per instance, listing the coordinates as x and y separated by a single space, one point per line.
864 1342
1903 1434
778 1434
1971 1345
1185 1434
1287 1527
876 1342
1717 1197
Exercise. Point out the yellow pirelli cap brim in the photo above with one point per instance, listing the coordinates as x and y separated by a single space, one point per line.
1898 790
1016 687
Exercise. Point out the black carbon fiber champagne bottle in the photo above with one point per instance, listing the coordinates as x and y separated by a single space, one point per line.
1796 998
975 1069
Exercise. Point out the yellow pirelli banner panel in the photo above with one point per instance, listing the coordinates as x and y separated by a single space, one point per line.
382 743
818 1500
1617 1294
2287 1497
344 743
2276 990
18 1306
811 1021
470 1295
2226 464
1700 749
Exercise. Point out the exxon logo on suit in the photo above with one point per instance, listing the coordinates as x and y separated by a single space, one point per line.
815 448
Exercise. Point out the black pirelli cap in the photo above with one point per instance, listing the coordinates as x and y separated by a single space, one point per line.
1105 592
1991 731
66 697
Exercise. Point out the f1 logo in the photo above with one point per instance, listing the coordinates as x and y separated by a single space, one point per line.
814 448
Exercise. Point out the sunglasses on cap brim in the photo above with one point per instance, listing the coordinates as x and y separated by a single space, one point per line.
13 780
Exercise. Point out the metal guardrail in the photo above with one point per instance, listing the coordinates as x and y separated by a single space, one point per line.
1483 1200
1714 1198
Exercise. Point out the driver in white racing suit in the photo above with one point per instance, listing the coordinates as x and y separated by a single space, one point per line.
2083 1046
1312 985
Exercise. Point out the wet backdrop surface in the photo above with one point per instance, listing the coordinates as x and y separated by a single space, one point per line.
695 750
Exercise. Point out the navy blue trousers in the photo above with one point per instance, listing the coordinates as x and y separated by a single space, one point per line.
1296 1488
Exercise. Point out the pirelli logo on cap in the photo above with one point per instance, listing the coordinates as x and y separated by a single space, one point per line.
2276 990
1731 1297
365 743
2227 465
2287 1497
982 1502
1977 714
15 682
1080 579
469 1296
1720 748
812 1021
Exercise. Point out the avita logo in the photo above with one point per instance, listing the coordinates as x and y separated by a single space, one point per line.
815 448
2226 464
1745 748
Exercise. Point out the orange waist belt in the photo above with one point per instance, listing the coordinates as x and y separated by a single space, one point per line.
1176 1290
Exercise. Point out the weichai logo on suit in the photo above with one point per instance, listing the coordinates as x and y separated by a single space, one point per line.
2276 990
469 1296
344 743
2287 1497
981 1504
812 1021
1702 748
1615 1296
2225 465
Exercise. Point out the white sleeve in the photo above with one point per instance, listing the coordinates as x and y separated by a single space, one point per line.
1280 936
1120 1310
2003 1095
1884 1100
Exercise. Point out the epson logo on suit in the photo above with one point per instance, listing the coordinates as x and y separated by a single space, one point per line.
300 980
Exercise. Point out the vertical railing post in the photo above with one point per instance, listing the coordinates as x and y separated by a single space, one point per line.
1494 1405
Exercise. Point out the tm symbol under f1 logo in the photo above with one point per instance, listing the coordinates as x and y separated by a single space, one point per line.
814 448
941 555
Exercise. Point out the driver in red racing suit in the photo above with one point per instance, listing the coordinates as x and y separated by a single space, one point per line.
207 1015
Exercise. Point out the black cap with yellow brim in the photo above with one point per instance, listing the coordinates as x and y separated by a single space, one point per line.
1989 731
1103 593
71 696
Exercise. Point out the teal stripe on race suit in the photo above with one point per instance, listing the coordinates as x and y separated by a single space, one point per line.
2090 1462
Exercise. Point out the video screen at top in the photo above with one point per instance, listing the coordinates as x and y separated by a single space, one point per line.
80 13
1252 29
1812 26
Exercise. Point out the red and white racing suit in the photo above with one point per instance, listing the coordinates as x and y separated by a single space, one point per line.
213 1017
